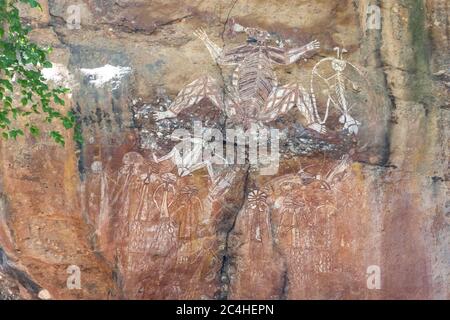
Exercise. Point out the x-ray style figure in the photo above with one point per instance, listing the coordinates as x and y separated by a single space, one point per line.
336 84
255 95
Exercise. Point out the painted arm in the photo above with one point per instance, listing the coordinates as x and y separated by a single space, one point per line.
213 48
232 57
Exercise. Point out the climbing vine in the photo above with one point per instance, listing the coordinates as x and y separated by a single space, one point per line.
23 89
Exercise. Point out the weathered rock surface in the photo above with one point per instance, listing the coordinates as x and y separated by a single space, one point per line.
338 206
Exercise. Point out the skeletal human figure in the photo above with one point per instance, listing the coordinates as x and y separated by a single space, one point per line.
255 95
336 84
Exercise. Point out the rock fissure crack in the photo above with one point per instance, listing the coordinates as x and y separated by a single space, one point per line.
224 276
17 274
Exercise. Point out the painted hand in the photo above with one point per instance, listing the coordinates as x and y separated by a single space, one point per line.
201 34
313 45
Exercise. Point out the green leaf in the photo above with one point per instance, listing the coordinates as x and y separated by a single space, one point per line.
15 132
34 131
57 137
7 102
47 64
15 111
58 100
67 122
7 84
33 3
24 101
22 60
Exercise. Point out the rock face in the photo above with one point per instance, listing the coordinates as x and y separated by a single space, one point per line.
344 216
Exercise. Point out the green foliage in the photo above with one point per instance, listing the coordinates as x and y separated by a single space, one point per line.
21 62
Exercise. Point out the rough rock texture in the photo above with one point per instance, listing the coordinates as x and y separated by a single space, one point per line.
138 230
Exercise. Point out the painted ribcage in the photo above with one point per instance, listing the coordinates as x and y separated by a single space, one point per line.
254 79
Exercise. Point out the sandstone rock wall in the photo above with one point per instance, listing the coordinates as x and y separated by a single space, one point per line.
138 230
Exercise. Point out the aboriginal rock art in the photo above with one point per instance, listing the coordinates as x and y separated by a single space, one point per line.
222 186
335 84
254 96
165 216
304 177
191 206
157 218
294 215
188 157
361 172
258 216
293 210
163 198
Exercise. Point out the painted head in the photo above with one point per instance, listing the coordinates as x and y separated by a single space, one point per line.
257 36
338 65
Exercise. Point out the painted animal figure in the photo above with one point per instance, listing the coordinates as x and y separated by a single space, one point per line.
188 156
189 161
254 95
